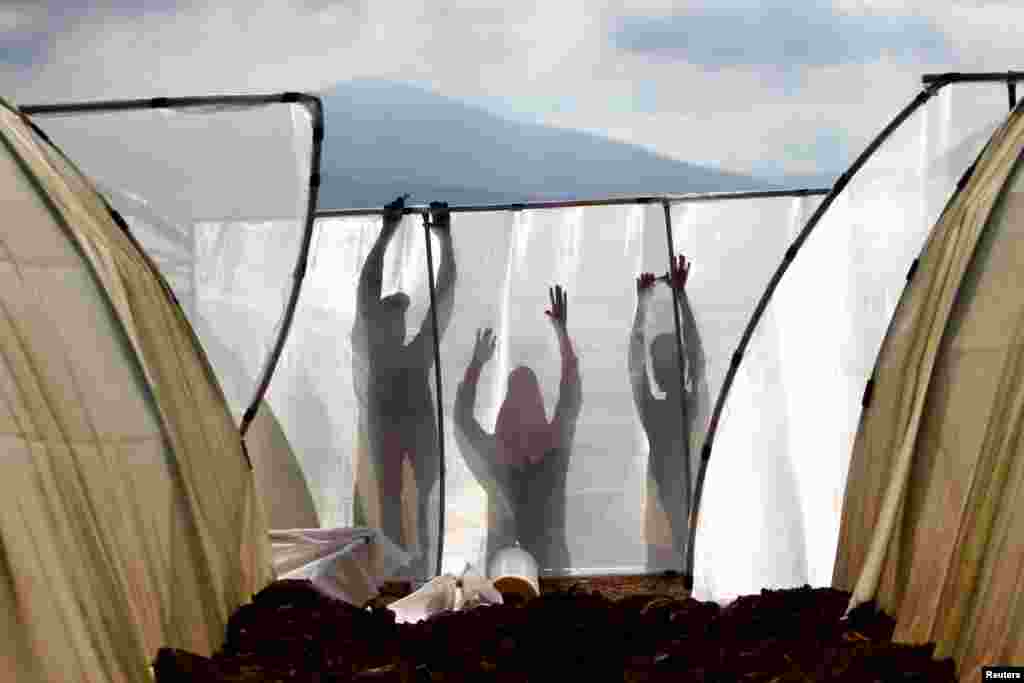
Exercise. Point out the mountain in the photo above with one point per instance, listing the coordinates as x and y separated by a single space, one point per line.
384 139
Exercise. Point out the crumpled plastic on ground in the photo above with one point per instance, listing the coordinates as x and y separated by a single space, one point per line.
347 564
446 593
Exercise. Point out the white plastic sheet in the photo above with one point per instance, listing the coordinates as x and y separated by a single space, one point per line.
129 519
346 564
506 262
218 197
446 593
314 392
774 489
776 479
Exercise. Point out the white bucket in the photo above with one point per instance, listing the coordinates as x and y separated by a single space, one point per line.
514 571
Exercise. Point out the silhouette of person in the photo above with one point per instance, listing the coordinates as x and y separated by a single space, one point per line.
523 466
669 422
398 422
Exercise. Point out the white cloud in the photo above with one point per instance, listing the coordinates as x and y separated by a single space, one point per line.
15 17
528 51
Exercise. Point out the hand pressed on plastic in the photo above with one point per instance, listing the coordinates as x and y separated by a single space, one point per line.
441 219
393 211
645 284
483 351
559 312
680 273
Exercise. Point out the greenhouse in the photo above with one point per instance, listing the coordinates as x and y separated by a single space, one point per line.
733 420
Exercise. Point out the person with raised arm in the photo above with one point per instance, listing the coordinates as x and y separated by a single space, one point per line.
523 466
398 421
669 423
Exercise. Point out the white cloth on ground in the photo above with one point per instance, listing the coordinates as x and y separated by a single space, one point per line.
348 564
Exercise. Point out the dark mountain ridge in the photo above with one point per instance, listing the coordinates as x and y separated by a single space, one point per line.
384 139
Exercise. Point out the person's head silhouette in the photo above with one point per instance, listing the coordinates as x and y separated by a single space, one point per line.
522 430
665 363
389 320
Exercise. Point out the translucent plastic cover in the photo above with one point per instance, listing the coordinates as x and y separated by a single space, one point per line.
548 437
321 389
576 436
774 489
218 196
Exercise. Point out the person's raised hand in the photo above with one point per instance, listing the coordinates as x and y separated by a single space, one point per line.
645 284
393 211
559 313
680 273
440 219
483 351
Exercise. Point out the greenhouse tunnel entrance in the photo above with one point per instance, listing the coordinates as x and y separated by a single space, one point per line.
770 510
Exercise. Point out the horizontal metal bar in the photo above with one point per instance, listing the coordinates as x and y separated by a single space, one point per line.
165 103
980 77
608 201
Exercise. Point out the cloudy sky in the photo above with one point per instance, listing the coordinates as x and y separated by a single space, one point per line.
759 87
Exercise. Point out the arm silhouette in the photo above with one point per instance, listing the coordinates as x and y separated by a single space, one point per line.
570 389
695 390
696 363
372 275
643 397
368 298
479 449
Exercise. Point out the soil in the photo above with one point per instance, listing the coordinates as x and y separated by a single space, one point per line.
291 632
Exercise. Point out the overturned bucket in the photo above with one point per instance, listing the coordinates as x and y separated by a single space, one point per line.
514 573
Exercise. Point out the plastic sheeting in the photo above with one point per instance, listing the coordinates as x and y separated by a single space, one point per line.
774 490
771 507
129 518
314 392
345 563
588 489
932 520
616 517
217 195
